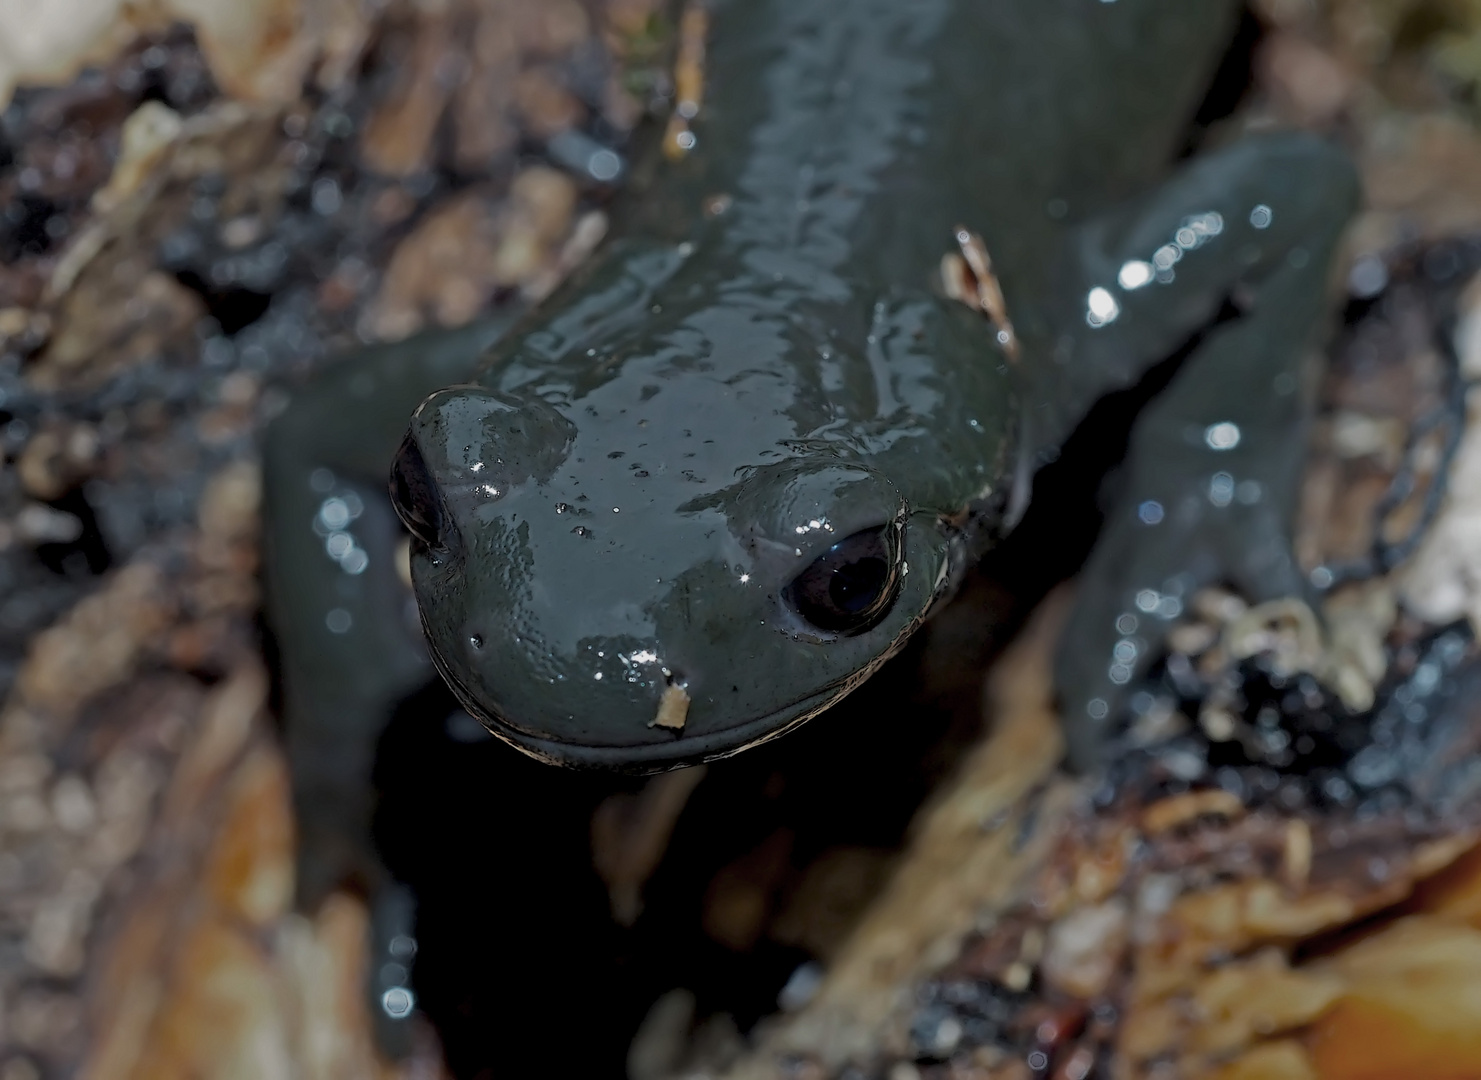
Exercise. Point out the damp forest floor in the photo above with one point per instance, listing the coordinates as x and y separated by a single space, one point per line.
1276 874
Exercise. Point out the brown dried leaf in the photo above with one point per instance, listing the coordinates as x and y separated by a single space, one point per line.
398 138
1285 1059
98 643
119 313
1237 1003
250 873
630 833
1182 809
1085 948
1412 1007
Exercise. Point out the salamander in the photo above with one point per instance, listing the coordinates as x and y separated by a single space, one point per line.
727 470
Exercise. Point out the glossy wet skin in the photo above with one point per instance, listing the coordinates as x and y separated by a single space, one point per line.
654 539
639 488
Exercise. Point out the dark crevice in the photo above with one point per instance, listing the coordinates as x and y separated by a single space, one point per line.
1231 82
88 554
272 658
234 309
513 929
24 230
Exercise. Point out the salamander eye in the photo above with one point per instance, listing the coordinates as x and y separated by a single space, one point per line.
851 586
414 494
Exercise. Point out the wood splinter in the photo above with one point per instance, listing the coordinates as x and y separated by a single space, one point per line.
673 709
968 277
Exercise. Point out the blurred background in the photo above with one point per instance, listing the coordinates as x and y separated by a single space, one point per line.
202 201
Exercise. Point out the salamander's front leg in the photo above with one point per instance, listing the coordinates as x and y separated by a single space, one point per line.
345 624
1210 485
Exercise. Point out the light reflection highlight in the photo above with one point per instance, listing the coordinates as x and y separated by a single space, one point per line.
1221 489
1222 436
331 523
1134 274
398 1002
1101 307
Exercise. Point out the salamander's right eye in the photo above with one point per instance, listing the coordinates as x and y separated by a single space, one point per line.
851 586
414 494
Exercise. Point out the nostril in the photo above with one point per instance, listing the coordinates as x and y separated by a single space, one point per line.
414 494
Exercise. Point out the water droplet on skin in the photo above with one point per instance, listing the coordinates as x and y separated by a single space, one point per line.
1221 489
1134 274
1221 436
334 514
1164 258
398 1002
1101 307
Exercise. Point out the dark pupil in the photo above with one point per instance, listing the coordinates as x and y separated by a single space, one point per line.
849 587
854 586
414 494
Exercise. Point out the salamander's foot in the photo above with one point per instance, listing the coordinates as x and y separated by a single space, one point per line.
1140 579
1209 491
1214 468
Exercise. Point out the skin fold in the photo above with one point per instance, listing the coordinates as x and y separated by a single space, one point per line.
627 492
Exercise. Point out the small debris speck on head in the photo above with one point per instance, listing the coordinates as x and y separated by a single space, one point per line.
673 709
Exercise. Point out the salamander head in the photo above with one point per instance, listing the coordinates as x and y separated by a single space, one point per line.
565 591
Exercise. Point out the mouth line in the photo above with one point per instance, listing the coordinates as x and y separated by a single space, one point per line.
683 750
646 758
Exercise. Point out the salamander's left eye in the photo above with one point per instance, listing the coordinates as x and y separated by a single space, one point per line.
851 586
414 494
